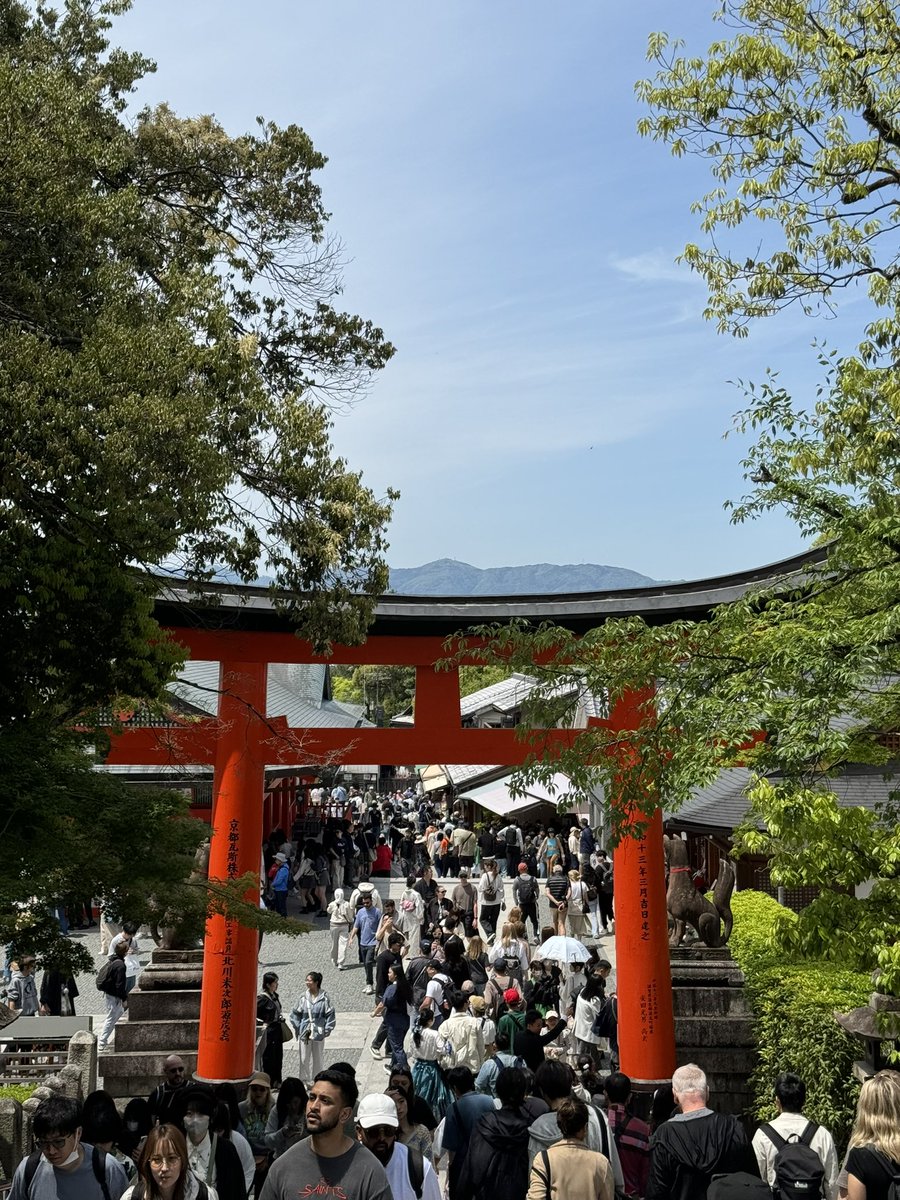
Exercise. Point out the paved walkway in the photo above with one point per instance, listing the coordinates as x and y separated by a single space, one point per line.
292 958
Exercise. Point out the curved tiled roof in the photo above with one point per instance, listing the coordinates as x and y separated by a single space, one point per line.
236 606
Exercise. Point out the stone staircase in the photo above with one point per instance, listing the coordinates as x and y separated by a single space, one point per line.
713 1023
163 1019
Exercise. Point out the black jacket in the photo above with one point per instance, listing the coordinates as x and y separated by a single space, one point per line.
116 979
530 1046
496 1165
685 1154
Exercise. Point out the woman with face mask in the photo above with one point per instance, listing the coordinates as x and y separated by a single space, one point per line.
163 1171
213 1159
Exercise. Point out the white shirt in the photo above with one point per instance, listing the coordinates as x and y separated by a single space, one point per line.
822 1143
199 1161
245 1154
435 991
491 881
398 1177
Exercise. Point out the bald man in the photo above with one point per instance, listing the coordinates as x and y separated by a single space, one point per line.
163 1097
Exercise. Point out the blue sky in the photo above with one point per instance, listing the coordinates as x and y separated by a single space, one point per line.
556 395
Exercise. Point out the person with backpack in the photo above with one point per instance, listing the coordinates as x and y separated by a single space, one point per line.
62 1164
411 1176
496 1165
486 1079
525 895
695 1144
587 844
873 1156
792 1149
606 887
491 898
112 981
569 1170
554 1083
630 1134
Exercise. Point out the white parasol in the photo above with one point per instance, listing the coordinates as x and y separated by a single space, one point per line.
563 949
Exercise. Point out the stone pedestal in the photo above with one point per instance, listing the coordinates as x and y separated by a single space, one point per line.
163 1019
713 1024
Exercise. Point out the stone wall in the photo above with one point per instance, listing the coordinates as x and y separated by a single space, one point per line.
77 1079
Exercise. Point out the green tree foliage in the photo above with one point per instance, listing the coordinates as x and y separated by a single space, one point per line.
793 1003
796 112
170 354
169 350
70 834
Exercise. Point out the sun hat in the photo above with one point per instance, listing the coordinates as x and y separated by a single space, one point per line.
377 1109
262 1079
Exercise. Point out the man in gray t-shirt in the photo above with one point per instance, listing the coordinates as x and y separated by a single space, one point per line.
328 1163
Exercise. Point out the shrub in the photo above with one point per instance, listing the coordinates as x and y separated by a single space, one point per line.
17 1091
793 1003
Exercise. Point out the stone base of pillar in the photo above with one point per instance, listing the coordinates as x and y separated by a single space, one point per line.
163 1019
713 1023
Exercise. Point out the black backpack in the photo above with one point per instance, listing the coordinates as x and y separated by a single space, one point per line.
606 1021
799 1172
103 981
893 1192
526 890
738 1186
98 1165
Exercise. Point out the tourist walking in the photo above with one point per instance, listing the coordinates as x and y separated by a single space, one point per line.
557 889
112 982
464 1034
313 1020
431 1055
340 921
410 1173
328 1162
410 914
578 906
270 1048
412 1134
587 1005
496 1165
525 895
287 1121
21 991
365 928
791 1125
394 1008
163 1170
568 1170
490 898
873 1156
696 1143
63 1165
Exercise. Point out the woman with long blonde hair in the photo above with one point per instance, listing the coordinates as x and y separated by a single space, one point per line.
477 962
873 1156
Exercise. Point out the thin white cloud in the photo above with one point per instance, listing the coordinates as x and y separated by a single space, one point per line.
653 266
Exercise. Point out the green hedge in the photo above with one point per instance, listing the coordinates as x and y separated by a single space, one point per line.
17 1091
793 1003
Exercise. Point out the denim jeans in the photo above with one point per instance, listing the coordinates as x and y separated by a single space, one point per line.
367 958
397 1028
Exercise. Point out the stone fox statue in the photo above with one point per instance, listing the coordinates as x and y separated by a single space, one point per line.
688 907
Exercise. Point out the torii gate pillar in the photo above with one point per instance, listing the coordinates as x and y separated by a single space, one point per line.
643 974
231 952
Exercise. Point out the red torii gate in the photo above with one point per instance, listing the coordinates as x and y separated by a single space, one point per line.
244 634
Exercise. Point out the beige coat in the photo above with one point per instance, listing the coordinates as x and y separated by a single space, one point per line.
576 1173
464 1034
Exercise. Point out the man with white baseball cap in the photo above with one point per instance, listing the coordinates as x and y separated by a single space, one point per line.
410 1175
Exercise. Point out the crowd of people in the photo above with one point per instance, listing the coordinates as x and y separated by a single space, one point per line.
549 1132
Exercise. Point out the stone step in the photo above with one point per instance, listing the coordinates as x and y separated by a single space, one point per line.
177 1004
141 1064
709 1002
149 1035
726 1061
702 1032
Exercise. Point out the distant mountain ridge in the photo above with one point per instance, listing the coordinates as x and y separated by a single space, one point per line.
448 577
